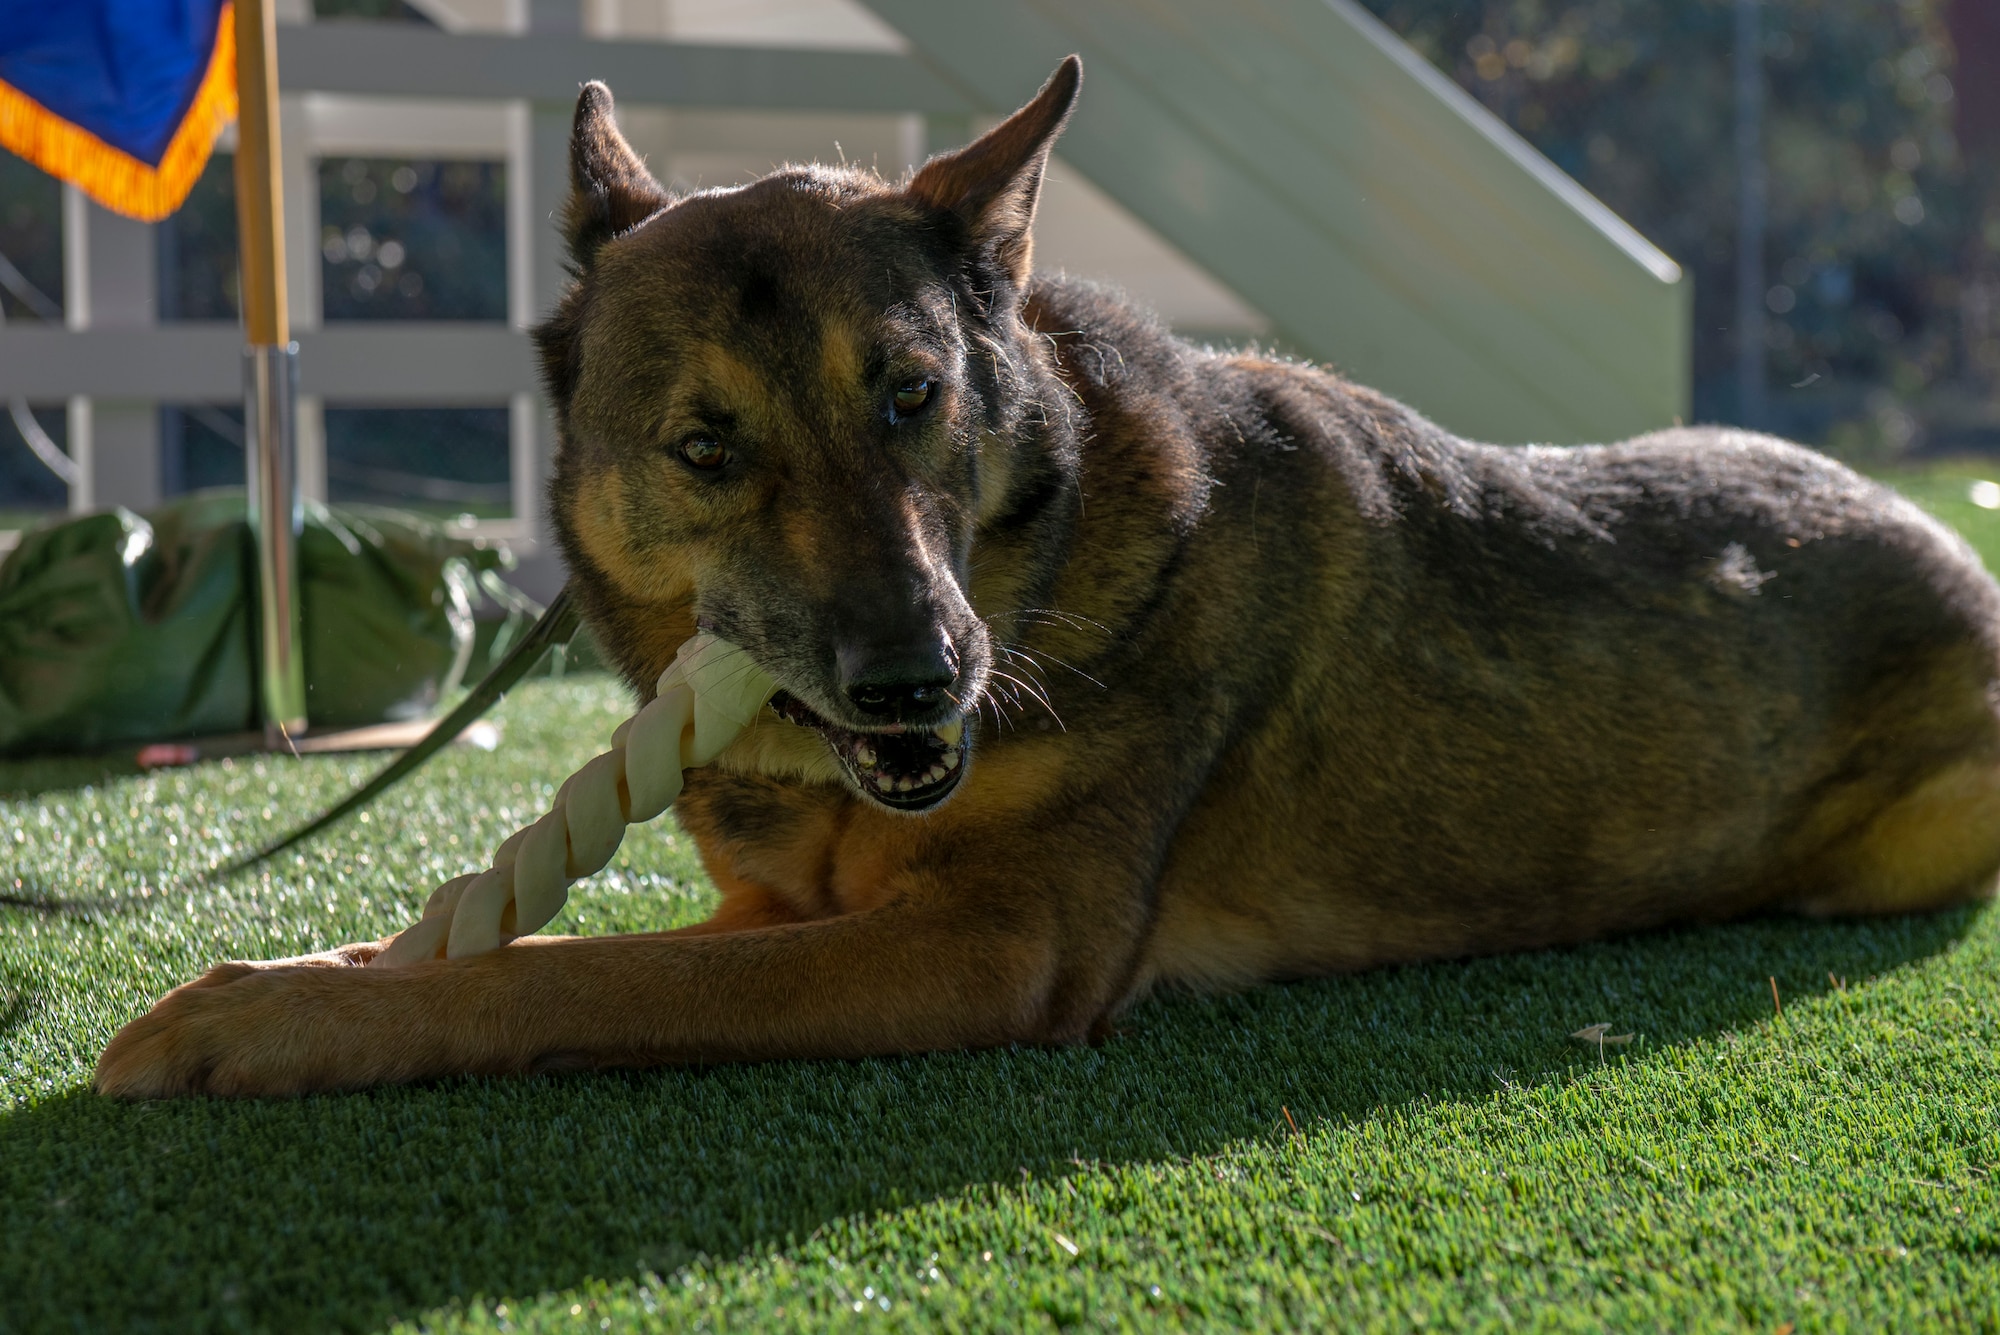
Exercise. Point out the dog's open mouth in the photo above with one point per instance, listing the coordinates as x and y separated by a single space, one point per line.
909 769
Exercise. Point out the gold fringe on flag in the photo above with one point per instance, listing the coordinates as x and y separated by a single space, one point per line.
111 176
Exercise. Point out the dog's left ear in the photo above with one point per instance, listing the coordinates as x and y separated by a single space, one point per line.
991 184
610 188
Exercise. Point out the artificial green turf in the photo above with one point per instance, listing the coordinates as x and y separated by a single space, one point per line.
1459 1161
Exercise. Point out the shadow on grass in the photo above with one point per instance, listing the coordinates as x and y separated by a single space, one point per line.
15 1007
41 775
17 893
346 1212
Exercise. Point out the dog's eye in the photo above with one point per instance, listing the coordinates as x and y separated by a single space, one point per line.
704 451
912 396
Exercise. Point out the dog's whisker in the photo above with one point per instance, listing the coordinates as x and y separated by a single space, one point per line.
1070 618
1033 694
1033 656
1033 670
998 697
988 702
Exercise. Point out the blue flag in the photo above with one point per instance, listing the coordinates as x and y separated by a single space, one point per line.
123 98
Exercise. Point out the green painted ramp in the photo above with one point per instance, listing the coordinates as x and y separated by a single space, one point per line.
1384 221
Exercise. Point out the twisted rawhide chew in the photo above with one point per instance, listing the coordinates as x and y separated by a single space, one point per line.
706 697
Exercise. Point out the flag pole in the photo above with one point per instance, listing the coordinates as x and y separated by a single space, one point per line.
270 374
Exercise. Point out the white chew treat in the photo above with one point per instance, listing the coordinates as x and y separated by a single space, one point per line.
426 938
651 739
705 699
475 923
596 816
540 884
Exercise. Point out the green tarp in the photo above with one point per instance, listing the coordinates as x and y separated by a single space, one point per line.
119 630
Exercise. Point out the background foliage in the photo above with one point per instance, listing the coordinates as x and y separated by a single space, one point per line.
1883 232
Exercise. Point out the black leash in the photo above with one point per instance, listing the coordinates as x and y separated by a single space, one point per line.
557 625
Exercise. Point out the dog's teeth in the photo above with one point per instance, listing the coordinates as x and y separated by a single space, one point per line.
904 784
951 760
951 732
864 755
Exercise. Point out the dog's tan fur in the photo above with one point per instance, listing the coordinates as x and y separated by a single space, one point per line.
1268 676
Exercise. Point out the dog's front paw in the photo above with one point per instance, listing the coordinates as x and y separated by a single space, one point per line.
205 1037
245 1029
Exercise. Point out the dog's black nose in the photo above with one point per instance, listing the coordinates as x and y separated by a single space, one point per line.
899 685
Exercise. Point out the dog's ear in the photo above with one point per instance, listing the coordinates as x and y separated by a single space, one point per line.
610 188
991 184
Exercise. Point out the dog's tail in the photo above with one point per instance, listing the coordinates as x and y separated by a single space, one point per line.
557 625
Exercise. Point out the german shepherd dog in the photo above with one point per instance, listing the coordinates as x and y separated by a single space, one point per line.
1110 663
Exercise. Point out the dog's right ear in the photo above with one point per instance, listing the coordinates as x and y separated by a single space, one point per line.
992 184
610 189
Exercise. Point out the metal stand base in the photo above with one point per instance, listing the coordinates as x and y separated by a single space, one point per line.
270 387
484 734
